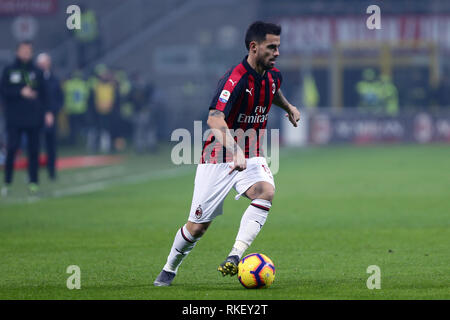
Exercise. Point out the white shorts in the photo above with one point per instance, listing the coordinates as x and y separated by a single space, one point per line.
213 183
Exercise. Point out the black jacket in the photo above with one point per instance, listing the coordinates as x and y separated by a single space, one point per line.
54 93
19 111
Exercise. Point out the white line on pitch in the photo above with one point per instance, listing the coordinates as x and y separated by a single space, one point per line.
136 178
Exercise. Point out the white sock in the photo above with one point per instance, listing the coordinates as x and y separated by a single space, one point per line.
251 223
182 245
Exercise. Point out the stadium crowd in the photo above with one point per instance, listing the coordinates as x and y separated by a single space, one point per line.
104 110
107 110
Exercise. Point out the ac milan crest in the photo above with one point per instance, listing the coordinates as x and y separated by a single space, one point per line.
199 212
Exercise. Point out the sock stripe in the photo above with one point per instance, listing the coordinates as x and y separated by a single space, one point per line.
180 252
260 206
185 238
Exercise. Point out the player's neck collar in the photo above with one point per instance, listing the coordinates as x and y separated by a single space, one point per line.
253 71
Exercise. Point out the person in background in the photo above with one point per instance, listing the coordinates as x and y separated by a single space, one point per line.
104 108
310 93
418 92
144 121
55 100
76 98
124 120
389 95
22 87
2 135
368 90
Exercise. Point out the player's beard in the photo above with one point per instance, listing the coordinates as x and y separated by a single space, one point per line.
264 62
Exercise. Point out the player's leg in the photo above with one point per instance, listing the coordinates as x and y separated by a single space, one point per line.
50 147
253 219
33 136
256 183
212 184
185 240
197 230
12 145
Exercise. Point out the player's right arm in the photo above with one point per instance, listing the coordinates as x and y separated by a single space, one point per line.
216 121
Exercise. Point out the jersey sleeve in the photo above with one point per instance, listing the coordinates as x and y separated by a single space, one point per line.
228 90
280 80
278 77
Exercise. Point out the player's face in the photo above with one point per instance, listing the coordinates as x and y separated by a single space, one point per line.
25 52
268 51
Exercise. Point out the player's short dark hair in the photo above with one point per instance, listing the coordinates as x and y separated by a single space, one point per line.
257 32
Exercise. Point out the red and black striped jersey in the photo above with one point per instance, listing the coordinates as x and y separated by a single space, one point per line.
245 97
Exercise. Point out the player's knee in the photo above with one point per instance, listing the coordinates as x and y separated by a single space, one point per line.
263 191
268 194
197 230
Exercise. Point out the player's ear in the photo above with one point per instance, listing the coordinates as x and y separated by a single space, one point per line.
253 46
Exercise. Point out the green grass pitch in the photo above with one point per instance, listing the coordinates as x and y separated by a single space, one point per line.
336 211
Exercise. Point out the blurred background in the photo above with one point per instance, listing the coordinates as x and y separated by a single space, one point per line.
145 68
363 180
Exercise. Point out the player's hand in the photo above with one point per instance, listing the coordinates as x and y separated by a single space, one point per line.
239 162
293 115
28 93
49 119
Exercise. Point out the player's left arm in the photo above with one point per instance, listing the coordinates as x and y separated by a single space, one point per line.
292 112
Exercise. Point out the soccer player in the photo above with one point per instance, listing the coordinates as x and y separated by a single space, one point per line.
241 105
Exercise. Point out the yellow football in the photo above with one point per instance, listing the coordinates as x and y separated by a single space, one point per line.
256 271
